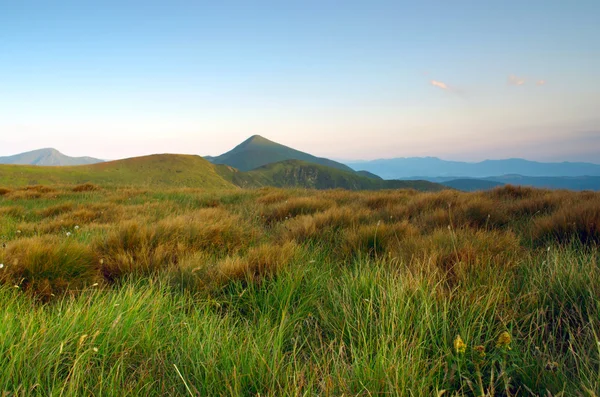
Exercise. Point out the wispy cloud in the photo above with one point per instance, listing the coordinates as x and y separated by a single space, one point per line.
439 84
515 80
540 82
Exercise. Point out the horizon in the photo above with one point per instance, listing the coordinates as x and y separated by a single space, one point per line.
358 82
343 161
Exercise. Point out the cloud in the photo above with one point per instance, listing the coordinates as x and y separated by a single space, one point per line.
540 82
514 80
439 84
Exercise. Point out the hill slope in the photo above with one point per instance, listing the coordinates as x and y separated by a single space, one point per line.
47 156
257 151
296 173
423 167
157 169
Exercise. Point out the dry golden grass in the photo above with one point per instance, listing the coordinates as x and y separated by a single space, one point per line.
139 231
259 262
48 265
86 187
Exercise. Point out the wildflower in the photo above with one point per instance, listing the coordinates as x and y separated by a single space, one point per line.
68 234
95 349
1 265
459 345
504 340
480 350
76 227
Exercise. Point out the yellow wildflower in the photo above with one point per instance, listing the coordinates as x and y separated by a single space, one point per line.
459 345
504 340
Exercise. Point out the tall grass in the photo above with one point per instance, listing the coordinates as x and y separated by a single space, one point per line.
287 292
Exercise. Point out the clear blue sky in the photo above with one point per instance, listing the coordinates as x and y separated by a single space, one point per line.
344 79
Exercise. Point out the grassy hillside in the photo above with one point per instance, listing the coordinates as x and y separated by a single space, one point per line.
257 151
153 291
174 170
47 157
160 169
295 173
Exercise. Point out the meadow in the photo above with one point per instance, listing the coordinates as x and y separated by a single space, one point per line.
126 291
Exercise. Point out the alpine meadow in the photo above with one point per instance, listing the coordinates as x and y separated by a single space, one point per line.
134 290
304 198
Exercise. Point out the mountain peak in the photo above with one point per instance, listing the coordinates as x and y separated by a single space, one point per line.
257 151
256 140
46 156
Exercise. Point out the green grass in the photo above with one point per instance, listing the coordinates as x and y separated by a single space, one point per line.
179 171
173 170
296 173
291 292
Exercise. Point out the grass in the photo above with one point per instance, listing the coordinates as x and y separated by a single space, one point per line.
111 290
175 170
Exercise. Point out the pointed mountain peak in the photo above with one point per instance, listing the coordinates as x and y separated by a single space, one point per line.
256 140
257 151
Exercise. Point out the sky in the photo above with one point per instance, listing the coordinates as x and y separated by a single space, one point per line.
460 80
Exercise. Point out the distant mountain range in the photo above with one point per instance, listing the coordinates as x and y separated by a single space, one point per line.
545 182
48 156
433 167
258 162
257 151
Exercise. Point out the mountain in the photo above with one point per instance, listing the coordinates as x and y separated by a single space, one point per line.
257 151
47 156
577 183
177 170
472 184
566 182
170 170
426 167
296 173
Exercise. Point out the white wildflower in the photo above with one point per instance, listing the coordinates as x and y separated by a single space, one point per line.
68 234
76 227
1 265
